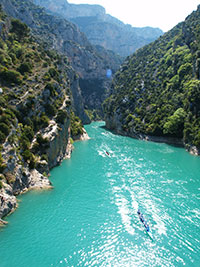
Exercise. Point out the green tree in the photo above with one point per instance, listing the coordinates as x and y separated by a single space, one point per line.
185 69
61 116
193 94
4 128
175 123
19 28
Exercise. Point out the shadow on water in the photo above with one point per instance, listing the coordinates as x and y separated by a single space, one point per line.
114 132
177 145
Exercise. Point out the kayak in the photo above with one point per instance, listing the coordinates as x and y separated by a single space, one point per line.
147 228
107 153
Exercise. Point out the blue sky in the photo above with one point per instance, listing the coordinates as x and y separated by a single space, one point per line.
164 14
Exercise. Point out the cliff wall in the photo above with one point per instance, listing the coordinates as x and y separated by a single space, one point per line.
101 28
89 63
36 110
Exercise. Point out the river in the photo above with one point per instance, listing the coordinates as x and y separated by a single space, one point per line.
90 217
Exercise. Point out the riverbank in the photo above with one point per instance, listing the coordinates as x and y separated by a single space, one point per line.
30 180
158 139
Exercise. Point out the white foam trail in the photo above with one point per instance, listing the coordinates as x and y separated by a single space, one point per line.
134 202
125 212
101 153
156 215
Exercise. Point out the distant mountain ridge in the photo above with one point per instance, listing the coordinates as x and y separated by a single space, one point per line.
101 28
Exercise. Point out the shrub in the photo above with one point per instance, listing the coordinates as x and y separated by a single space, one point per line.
3 60
24 142
174 125
2 101
45 65
32 163
68 102
27 155
51 88
13 57
76 125
46 77
43 142
36 123
4 128
2 164
11 76
25 67
197 140
53 73
19 28
44 157
2 137
50 110
185 70
10 113
61 116
44 121
35 148
28 132
19 52
5 118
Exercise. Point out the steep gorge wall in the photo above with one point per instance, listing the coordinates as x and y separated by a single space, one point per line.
88 62
19 177
36 111
155 94
101 28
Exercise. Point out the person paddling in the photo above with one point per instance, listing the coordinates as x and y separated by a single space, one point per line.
147 227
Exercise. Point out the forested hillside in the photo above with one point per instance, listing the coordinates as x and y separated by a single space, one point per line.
157 90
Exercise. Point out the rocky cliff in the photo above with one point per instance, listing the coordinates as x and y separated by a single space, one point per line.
101 28
89 63
37 109
71 10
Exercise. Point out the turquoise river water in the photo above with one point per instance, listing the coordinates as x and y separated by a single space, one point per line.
90 217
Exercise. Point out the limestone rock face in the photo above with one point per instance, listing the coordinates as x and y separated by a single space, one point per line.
101 28
71 10
193 150
19 178
8 201
89 62
77 97
113 123
83 137
58 138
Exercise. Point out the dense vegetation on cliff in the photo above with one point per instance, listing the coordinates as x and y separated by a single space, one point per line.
89 62
35 99
157 90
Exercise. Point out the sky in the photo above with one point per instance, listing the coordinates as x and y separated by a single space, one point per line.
164 14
